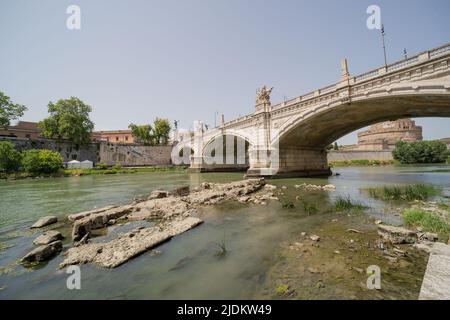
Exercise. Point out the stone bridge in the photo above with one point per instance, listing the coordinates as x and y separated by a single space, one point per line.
289 138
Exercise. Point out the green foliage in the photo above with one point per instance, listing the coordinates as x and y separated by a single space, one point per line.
346 203
117 167
287 204
427 220
161 130
420 152
282 289
101 166
9 110
418 191
41 161
10 159
360 162
309 208
69 120
222 249
150 135
142 133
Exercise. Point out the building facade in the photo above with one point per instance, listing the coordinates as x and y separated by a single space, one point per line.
23 130
113 136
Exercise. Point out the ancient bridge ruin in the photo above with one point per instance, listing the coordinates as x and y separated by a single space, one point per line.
289 138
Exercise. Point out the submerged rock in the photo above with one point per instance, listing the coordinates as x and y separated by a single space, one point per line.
397 235
43 253
270 187
44 221
48 237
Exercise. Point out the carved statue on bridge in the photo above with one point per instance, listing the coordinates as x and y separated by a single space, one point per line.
263 96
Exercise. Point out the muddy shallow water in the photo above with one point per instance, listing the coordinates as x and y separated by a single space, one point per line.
266 255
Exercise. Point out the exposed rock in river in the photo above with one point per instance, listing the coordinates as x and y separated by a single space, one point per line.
81 215
43 253
158 194
48 237
397 235
97 220
314 187
173 210
114 253
44 221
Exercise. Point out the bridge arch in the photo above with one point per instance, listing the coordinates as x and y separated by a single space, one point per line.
325 124
226 151
302 141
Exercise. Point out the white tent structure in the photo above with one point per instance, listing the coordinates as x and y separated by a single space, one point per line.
74 164
86 164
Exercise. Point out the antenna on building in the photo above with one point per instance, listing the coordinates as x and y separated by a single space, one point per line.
384 45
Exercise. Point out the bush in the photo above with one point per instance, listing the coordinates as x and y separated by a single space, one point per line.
10 158
420 152
101 166
41 161
117 167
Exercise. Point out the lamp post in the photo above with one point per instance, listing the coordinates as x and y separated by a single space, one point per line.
384 46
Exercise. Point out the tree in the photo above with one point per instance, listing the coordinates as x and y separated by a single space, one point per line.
41 161
161 130
9 110
69 120
142 133
420 152
9 157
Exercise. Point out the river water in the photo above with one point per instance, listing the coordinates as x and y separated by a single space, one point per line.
266 255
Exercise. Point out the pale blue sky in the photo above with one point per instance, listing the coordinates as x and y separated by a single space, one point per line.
133 61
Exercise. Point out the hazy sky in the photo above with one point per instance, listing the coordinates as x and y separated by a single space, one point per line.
183 60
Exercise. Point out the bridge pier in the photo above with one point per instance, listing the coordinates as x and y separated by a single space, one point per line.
291 162
198 165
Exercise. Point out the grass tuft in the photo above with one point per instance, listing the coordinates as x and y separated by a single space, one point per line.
346 203
418 191
287 204
222 249
309 208
426 220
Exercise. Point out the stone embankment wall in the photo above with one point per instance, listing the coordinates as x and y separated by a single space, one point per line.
135 155
68 150
123 154
359 155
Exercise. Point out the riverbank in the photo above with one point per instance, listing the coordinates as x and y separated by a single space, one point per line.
349 163
94 171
